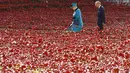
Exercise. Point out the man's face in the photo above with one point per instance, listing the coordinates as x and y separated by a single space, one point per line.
96 4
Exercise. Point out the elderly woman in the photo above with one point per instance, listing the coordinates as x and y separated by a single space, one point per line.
77 23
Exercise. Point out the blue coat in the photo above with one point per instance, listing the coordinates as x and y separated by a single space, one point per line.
77 23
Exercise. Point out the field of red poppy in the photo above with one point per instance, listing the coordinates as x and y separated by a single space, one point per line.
34 40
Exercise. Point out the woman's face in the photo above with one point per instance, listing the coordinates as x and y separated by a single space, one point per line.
73 8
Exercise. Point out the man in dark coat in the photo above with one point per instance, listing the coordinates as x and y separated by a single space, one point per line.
101 15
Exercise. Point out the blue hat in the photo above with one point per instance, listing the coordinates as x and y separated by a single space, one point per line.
74 5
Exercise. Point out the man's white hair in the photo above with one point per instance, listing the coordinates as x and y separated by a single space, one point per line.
97 2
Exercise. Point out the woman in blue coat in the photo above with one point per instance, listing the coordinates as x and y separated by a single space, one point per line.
77 23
